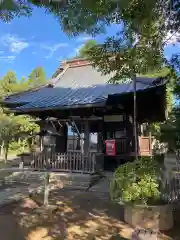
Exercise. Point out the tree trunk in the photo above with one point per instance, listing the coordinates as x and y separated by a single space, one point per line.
6 151
46 189
29 142
23 145
78 147
2 149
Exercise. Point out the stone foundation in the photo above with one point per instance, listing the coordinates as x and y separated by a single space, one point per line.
154 217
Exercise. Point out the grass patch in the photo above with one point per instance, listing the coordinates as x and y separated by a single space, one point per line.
4 174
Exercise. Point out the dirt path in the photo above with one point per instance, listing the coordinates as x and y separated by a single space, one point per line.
9 228
80 216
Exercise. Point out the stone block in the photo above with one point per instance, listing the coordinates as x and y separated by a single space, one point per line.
158 217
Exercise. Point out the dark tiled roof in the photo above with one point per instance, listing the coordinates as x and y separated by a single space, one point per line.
76 76
27 96
69 97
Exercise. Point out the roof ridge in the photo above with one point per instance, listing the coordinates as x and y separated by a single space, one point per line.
81 65
74 60
57 78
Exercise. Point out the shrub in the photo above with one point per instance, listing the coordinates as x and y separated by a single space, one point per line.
17 147
136 182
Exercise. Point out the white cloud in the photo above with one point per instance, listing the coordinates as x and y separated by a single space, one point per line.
77 49
14 43
59 59
83 38
172 38
53 48
8 59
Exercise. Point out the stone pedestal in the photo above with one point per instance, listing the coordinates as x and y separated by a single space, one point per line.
158 217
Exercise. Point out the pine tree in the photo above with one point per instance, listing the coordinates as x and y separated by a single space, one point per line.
37 77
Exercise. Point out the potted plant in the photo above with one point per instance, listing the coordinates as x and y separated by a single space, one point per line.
137 185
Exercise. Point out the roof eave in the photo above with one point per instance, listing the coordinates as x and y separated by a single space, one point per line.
102 104
50 85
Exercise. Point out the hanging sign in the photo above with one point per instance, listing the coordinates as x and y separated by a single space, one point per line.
113 118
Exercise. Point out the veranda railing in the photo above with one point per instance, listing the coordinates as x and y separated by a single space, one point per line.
71 161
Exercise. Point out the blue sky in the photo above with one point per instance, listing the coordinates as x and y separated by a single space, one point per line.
26 43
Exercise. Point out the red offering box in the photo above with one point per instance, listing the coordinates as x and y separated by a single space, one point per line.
110 147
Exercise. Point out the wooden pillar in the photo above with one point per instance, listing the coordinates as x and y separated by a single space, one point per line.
82 139
41 124
61 139
86 137
41 143
87 161
100 142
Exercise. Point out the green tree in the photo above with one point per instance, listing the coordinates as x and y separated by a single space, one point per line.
166 131
37 77
23 79
21 85
8 82
138 43
9 128
27 129
149 21
10 9
94 15
83 52
14 129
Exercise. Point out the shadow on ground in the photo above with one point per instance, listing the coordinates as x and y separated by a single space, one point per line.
10 229
72 215
76 216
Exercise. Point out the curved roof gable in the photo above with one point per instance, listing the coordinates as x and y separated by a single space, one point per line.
81 76
79 73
